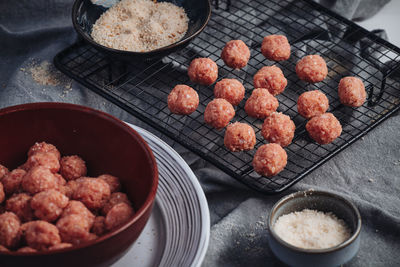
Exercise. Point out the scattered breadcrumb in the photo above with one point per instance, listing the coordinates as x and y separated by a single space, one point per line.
44 73
140 25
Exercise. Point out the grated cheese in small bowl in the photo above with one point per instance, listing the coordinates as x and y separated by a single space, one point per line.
312 229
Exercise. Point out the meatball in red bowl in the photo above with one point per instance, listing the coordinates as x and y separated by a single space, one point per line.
77 186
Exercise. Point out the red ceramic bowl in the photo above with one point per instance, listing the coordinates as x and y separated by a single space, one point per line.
108 146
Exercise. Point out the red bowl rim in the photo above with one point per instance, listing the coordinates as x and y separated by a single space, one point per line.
153 190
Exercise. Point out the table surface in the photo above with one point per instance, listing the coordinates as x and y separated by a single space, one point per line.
367 172
388 19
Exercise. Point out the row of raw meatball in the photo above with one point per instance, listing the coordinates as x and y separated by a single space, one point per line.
41 209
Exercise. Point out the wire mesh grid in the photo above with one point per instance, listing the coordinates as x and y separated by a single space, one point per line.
142 88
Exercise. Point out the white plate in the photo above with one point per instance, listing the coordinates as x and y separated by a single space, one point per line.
178 230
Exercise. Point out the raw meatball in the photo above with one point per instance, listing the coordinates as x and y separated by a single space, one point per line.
69 188
20 204
12 181
39 179
324 128
3 171
2 194
118 215
77 208
235 54
60 180
261 103
112 181
48 205
312 103
218 113
269 160
60 246
73 229
44 147
229 89
93 192
203 71
183 100
3 249
9 230
72 167
275 47
312 68
26 250
270 78
99 228
40 234
115 199
239 137
278 128
47 160
352 92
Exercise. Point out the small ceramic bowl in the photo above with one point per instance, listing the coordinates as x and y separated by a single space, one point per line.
85 14
321 201
107 145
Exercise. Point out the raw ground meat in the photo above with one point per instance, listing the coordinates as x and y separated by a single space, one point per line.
45 159
44 147
40 234
118 215
39 179
93 192
219 113
239 137
203 71
73 229
275 47
261 103
77 208
324 129
229 89
99 227
72 167
278 128
312 68
12 181
312 103
269 160
235 54
48 205
9 230
20 204
352 92
115 199
270 78
183 100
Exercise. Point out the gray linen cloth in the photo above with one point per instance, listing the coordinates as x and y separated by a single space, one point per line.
367 172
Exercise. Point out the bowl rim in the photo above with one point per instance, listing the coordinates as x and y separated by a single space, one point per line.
151 53
148 203
303 194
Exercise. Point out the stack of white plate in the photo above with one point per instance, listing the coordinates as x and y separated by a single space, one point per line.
178 230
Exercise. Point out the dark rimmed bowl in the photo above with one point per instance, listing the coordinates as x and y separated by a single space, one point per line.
321 201
85 14
107 145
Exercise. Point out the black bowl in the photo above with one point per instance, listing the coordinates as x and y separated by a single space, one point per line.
85 14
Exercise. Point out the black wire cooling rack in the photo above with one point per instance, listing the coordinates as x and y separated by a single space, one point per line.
142 88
